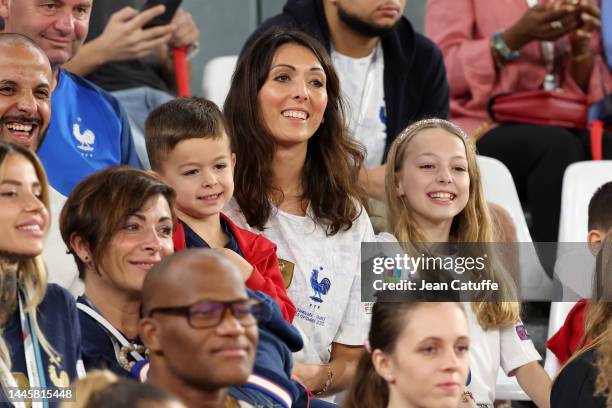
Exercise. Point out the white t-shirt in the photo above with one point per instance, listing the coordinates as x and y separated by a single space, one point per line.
508 347
326 278
362 85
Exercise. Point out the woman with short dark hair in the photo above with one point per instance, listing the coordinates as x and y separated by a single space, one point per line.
117 223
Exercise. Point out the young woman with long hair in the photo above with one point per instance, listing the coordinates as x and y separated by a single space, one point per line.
582 381
434 195
41 337
296 181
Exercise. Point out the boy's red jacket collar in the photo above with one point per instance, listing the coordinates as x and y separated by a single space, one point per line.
253 246
260 252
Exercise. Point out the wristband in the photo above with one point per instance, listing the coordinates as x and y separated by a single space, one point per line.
499 44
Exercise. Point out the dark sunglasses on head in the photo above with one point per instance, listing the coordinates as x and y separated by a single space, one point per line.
209 313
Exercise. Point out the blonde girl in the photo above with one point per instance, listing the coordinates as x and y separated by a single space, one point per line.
434 194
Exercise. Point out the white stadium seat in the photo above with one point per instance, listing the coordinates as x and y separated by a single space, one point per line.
575 264
217 78
499 188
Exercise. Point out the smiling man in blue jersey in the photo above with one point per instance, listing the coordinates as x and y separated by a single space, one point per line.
89 130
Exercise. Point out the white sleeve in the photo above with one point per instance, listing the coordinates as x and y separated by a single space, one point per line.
355 323
516 348
354 327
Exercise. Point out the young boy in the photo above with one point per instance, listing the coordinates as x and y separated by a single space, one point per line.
567 339
189 148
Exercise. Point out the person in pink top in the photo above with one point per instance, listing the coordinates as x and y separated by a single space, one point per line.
493 47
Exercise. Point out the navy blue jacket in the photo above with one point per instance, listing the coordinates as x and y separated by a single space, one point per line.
274 360
58 320
97 347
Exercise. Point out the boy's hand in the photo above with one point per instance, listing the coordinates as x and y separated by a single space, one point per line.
243 265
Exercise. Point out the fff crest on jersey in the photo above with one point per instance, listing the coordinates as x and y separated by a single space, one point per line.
320 287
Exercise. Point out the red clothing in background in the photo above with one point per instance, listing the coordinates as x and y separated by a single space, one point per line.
567 339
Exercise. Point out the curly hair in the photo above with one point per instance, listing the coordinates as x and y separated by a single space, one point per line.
333 159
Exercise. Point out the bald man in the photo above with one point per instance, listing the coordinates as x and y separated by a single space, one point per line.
197 349
25 91
25 109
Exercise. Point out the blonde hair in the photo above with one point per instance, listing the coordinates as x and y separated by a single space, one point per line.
599 309
472 225
603 384
102 388
86 388
31 273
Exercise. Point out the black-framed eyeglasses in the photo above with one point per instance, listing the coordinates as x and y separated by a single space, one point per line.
206 314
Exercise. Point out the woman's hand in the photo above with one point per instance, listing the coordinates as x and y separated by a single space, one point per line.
582 58
542 23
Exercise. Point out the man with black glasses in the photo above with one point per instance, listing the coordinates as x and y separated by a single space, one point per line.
201 327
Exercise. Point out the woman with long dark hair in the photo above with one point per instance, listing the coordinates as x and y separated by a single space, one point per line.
296 182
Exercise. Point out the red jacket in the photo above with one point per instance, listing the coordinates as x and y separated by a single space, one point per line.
567 339
260 252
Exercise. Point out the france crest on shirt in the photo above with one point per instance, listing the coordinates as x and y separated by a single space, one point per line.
321 287
84 135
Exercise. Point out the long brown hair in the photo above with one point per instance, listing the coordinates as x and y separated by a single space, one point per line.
598 321
599 309
603 384
333 160
472 225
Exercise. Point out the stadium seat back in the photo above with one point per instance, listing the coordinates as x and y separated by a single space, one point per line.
217 78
